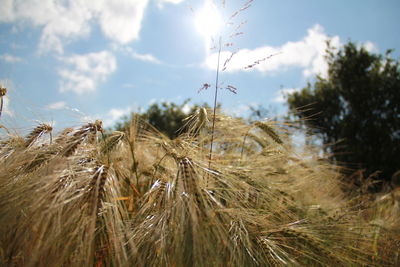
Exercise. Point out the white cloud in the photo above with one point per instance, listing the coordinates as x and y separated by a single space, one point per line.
10 58
145 57
83 73
307 53
65 20
280 95
121 20
58 19
370 47
57 105
161 3
114 115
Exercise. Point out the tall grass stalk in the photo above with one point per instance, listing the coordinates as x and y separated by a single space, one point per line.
215 102
217 73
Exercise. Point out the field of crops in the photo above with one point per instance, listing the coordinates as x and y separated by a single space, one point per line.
89 197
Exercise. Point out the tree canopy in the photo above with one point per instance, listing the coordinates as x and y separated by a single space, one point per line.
356 109
167 117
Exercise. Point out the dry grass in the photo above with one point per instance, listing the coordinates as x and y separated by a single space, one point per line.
137 198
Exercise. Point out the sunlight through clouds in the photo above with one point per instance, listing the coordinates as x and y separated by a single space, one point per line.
208 20
83 73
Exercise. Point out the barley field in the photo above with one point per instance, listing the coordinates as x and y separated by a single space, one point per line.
90 197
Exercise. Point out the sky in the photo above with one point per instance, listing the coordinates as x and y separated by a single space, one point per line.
70 61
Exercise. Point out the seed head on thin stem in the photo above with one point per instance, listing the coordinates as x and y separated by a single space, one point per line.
3 92
37 133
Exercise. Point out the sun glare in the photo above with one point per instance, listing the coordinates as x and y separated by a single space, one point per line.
208 20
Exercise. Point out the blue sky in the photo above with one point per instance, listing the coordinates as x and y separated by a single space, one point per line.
69 61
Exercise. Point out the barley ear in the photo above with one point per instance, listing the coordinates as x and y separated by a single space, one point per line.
196 122
3 91
36 133
96 189
82 134
269 131
112 141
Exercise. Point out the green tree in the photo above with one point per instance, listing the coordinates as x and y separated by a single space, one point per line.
356 109
166 117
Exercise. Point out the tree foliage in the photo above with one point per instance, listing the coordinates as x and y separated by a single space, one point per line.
167 117
356 109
